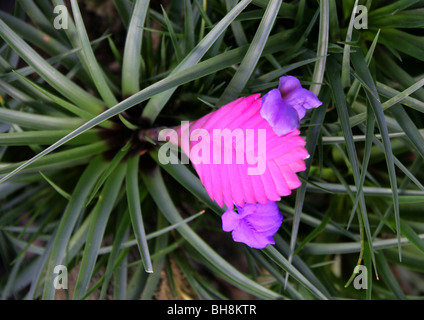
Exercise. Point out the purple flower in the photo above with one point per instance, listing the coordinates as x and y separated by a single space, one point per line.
254 224
284 107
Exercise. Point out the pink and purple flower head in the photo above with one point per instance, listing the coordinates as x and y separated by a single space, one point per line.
258 164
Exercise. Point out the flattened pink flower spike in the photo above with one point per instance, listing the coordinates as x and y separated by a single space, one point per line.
278 158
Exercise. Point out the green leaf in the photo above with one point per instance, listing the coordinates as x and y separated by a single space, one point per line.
38 17
101 213
57 80
363 72
59 101
172 34
324 248
392 8
65 158
134 208
188 26
237 27
158 191
68 220
156 104
407 43
339 98
367 154
287 10
153 279
117 159
47 137
132 49
282 262
312 140
409 128
388 277
188 180
318 75
93 67
395 97
250 60
325 220
113 260
40 122
124 9
402 20
58 189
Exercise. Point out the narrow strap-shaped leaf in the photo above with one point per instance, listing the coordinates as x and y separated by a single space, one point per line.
113 261
388 277
110 169
33 35
354 89
318 75
40 122
250 60
59 101
158 262
339 98
367 153
363 71
282 262
158 191
152 235
284 248
132 49
69 218
58 159
272 269
175 43
188 26
124 9
324 248
190 181
45 137
156 104
57 80
416 166
237 27
58 189
134 209
38 17
311 144
93 67
409 127
346 50
97 228
395 97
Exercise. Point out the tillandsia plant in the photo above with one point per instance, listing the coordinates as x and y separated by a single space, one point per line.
135 136
242 170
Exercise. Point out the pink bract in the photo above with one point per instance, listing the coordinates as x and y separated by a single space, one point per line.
231 183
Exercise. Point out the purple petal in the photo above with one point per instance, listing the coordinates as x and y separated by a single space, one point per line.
230 220
266 218
287 84
280 115
299 98
302 99
253 239
254 225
